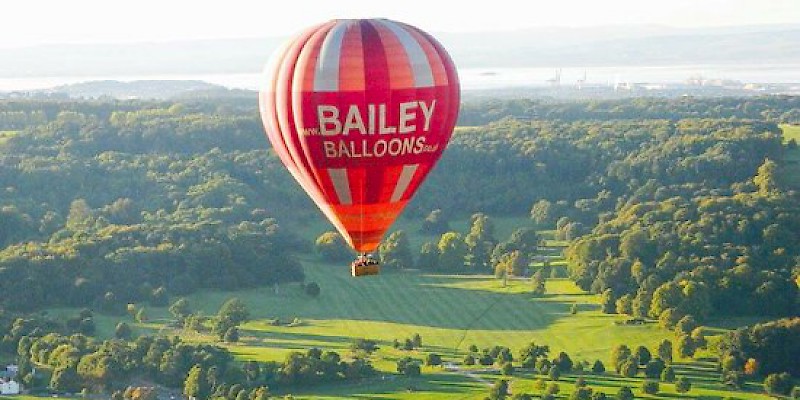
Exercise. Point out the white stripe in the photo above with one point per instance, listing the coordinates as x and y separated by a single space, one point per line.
341 184
326 75
403 181
423 76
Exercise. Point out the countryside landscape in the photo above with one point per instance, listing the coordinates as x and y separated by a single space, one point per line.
407 200
170 245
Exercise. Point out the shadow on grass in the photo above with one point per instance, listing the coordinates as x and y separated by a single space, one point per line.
423 300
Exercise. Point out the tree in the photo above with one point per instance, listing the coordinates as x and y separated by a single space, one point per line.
409 367
180 309
196 385
686 325
159 297
507 368
683 385
123 331
629 367
513 263
596 395
581 393
778 384
537 282
668 374
643 355
312 289
598 367
654 368
480 241
231 335
563 362
469 359
625 393
234 310
555 373
141 315
452 251
650 387
686 347
428 256
332 247
417 340
766 178
395 251
499 390
624 305
620 354
665 351
65 379
795 394
433 359
435 223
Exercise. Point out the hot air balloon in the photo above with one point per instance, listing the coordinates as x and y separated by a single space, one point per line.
360 111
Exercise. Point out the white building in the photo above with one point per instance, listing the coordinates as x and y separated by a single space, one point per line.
9 387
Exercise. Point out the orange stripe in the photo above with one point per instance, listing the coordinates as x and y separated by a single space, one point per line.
400 73
351 61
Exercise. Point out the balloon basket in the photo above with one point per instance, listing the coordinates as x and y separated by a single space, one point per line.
365 266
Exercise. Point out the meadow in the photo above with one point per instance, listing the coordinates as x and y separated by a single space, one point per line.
450 312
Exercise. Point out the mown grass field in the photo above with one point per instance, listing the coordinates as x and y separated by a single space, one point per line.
449 312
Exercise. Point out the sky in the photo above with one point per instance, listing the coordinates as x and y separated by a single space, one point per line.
34 22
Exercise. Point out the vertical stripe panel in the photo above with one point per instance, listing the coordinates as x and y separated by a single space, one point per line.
341 184
403 181
423 76
326 77
351 62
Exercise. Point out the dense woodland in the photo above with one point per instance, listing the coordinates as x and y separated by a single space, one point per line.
674 209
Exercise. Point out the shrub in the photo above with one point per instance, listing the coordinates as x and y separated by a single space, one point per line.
650 387
682 385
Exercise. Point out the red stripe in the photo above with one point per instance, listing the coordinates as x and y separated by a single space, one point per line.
376 71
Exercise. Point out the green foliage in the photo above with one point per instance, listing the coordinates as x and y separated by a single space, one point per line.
123 331
668 374
774 346
507 369
499 390
650 387
598 367
778 384
683 385
395 251
625 393
433 359
435 223
581 393
331 246
366 345
409 367
607 301
452 252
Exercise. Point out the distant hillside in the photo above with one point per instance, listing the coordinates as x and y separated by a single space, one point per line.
545 47
145 89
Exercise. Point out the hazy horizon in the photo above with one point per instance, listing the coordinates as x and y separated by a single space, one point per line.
48 22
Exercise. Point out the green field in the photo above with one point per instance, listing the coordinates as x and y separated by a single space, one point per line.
449 312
